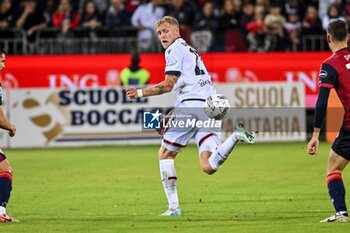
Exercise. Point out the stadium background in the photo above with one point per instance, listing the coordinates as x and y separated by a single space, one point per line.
262 44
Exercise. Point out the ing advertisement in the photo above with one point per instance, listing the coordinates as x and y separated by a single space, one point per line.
92 71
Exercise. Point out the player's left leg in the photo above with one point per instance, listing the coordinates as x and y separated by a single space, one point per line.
336 189
5 188
213 153
207 144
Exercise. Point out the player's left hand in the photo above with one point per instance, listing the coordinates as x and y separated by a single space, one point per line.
12 131
312 146
131 92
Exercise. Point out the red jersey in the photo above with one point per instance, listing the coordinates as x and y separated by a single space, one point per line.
335 73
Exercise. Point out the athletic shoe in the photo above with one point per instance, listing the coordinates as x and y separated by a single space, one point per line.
336 218
6 218
242 134
170 212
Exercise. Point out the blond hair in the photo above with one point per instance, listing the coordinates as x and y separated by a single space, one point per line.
167 19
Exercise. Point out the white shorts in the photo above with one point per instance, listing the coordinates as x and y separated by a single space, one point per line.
177 136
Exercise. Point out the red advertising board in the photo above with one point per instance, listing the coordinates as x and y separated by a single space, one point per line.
80 71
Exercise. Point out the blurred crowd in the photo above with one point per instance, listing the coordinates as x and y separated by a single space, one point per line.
220 25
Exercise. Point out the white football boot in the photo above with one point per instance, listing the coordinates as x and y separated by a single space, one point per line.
336 218
172 212
242 134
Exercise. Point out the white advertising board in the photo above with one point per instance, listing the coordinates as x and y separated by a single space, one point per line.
46 117
276 111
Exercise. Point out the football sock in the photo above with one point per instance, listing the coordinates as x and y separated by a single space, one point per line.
5 188
336 191
222 152
168 176
2 210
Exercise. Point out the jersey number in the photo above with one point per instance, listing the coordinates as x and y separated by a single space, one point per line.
197 70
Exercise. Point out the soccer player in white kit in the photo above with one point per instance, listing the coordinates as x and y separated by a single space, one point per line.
185 73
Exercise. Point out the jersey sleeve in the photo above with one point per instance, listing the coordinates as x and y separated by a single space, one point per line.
173 59
321 106
328 76
327 79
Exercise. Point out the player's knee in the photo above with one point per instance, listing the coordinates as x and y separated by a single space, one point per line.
5 166
334 168
162 156
6 169
166 154
207 169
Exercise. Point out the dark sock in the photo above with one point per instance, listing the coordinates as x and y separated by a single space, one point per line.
336 191
5 190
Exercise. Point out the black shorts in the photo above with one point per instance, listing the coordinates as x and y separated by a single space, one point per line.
341 144
2 157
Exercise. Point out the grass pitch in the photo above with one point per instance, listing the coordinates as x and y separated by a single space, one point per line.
261 188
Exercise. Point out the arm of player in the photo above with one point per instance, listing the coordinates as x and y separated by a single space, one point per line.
6 125
158 89
327 79
312 146
320 113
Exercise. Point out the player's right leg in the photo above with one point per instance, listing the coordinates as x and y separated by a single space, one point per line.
169 180
213 153
174 139
5 188
336 189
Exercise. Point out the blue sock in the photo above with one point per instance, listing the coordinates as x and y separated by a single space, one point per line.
5 190
336 191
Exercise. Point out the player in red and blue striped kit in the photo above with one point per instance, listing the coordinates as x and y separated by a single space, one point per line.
335 73
5 168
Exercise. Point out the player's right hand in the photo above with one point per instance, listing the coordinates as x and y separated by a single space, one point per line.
12 131
164 123
131 92
312 146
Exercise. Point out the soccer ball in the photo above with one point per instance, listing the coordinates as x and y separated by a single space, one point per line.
217 106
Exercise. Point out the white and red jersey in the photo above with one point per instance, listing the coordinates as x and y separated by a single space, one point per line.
193 81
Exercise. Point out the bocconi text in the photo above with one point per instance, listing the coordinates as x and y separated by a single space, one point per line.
101 107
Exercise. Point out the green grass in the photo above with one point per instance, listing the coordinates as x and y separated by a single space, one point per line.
261 188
